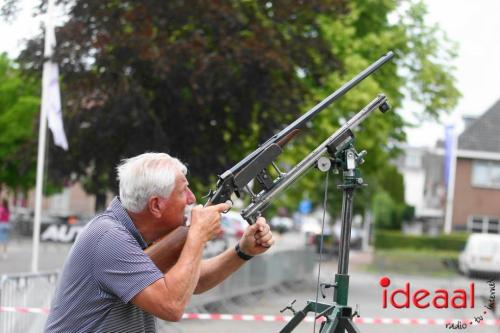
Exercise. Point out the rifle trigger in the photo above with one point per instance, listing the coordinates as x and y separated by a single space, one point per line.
230 203
209 194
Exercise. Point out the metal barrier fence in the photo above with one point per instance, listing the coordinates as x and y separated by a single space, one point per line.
25 290
261 273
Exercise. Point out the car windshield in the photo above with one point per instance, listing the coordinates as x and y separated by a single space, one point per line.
485 247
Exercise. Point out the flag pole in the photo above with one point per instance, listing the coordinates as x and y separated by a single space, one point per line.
450 186
42 135
39 187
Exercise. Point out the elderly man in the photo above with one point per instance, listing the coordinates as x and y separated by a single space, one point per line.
108 282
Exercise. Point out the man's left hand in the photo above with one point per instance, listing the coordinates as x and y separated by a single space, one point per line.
257 238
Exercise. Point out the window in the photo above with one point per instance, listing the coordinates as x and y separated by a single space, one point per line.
476 224
484 224
413 160
486 174
493 226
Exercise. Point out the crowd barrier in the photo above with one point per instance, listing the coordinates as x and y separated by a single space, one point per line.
263 272
25 290
25 298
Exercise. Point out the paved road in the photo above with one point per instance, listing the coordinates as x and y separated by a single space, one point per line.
364 290
19 254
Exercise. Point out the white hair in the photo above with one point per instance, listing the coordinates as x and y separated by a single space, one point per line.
146 175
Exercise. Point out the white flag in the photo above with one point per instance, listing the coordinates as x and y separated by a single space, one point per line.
51 97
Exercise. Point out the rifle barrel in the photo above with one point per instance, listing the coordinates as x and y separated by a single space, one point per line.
316 109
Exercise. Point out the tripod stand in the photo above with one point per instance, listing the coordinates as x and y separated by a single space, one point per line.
338 315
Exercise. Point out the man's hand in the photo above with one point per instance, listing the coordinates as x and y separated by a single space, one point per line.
257 238
205 221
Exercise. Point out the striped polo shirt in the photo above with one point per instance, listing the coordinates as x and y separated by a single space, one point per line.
105 269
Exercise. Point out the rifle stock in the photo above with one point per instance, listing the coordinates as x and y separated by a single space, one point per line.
165 252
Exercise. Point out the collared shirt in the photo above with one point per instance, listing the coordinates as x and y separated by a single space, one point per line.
105 269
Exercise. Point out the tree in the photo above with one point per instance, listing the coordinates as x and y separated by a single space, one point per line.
208 80
204 81
422 71
19 104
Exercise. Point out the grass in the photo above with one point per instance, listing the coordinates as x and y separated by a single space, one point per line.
414 262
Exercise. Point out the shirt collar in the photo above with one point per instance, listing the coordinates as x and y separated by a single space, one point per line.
122 216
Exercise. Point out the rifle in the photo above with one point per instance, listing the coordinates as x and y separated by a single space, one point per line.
255 165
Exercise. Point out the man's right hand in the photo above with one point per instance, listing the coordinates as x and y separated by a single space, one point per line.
167 298
205 221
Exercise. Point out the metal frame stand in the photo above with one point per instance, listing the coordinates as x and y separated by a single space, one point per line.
338 315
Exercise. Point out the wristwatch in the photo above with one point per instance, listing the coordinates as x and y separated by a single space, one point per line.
242 254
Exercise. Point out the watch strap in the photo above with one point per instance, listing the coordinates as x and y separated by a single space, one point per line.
242 254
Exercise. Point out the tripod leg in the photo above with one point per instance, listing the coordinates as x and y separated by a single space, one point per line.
299 316
330 326
349 325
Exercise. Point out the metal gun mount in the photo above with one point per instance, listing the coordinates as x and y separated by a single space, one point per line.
344 157
331 145
254 166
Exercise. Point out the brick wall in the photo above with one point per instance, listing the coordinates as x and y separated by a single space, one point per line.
469 200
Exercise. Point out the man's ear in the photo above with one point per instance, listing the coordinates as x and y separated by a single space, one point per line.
154 206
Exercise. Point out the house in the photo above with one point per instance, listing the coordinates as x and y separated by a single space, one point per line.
422 171
476 199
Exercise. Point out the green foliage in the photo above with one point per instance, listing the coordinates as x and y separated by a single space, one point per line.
428 262
203 81
19 105
422 71
207 81
408 213
384 211
392 182
398 240
388 205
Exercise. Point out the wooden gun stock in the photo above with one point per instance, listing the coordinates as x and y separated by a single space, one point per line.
165 252
288 137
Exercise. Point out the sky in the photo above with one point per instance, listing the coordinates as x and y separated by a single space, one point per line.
475 25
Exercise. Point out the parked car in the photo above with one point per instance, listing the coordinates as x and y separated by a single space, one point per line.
233 226
481 255
215 246
281 224
310 226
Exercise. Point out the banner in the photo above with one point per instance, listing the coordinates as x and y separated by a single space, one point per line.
51 97
449 154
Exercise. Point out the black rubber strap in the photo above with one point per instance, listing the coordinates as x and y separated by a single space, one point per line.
242 254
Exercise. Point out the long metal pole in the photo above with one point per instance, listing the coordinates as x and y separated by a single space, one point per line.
341 292
345 235
42 136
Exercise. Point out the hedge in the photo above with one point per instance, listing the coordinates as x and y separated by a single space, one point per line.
395 239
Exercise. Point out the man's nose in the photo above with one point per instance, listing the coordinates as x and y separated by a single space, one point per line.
191 198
